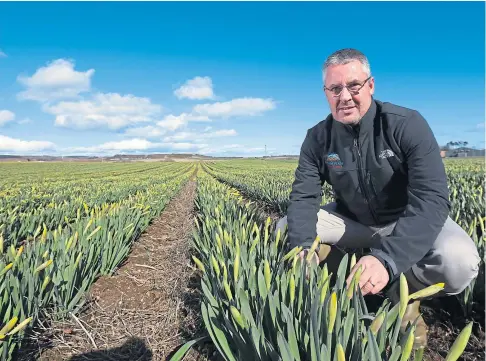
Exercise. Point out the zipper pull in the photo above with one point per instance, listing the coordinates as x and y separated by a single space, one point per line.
356 146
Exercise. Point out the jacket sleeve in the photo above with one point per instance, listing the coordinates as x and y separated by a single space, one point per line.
428 199
305 197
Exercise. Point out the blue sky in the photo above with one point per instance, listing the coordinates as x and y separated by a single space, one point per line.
224 78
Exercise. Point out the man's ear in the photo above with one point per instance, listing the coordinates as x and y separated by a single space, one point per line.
371 84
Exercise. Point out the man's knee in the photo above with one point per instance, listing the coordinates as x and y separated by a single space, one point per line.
455 263
462 266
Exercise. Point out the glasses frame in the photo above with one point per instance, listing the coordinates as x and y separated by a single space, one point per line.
354 92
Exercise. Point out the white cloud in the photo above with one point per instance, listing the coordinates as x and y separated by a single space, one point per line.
145 132
123 145
2 54
179 136
196 88
6 116
222 133
174 122
200 136
111 110
478 127
171 122
185 146
235 149
13 145
56 80
236 107
135 144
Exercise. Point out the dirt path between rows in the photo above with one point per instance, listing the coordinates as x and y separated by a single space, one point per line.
149 307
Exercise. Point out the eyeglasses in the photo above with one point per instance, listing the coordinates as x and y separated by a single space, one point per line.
353 88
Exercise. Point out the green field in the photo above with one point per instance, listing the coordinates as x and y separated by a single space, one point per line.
63 225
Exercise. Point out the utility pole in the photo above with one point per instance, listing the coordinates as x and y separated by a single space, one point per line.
265 150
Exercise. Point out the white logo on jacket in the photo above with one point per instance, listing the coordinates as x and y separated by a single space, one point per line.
387 153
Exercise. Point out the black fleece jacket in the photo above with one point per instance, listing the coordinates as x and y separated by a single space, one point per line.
386 169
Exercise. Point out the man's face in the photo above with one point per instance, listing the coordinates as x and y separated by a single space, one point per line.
348 108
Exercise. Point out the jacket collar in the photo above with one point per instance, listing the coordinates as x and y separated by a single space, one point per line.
365 124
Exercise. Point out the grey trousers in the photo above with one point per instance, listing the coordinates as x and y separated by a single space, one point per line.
453 259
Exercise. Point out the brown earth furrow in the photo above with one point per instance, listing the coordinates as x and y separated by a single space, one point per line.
149 307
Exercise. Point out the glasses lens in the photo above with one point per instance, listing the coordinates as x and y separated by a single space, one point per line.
337 90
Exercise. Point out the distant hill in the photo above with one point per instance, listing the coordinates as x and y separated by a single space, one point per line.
116 157
161 157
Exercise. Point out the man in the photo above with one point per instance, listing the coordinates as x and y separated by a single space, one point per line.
390 187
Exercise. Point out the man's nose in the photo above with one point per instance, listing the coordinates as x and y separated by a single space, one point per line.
345 95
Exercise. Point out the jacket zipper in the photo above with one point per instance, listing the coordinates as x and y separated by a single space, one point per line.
362 184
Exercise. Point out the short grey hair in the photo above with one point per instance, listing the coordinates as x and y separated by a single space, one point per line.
344 56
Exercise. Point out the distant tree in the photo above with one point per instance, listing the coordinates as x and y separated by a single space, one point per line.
454 146
451 144
458 144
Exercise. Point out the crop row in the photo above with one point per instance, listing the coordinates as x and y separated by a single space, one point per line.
49 200
270 182
261 301
51 271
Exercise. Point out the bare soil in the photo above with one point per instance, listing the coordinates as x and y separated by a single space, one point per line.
148 308
445 320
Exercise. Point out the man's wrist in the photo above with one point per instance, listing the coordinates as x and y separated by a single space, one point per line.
385 261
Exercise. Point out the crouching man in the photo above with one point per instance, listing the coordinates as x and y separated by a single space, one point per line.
392 202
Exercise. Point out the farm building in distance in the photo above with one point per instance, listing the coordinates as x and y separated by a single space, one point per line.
462 153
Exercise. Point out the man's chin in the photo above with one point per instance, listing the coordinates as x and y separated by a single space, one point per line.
348 120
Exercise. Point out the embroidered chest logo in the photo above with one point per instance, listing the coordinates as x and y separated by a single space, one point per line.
387 153
333 161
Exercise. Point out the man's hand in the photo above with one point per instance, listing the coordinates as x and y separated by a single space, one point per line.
374 277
